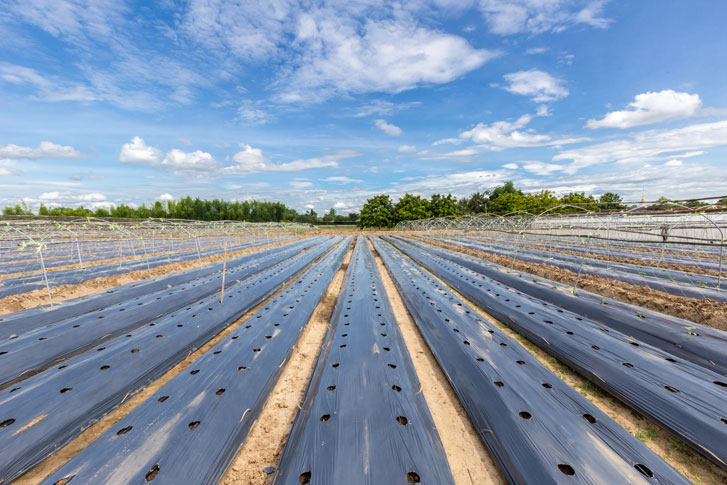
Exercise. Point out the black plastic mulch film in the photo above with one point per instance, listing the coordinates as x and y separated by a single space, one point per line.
37 349
651 272
600 268
686 399
26 320
696 343
190 430
22 284
610 251
364 419
538 428
47 410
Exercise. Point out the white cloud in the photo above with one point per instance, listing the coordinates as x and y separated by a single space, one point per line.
340 55
684 181
460 155
52 90
165 197
458 183
67 197
382 107
300 184
139 152
252 160
6 172
507 17
197 164
329 47
647 146
252 113
49 195
511 166
93 197
342 180
406 149
340 205
540 168
505 134
538 85
674 163
249 160
388 128
651 107
315 51
536 50
45 149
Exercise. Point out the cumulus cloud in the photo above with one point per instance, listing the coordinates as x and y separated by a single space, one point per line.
388 128
45 149
252 160
506 17
511 166
165 197
510 134
651 107
139 152
536 84
197 164
647 146
406 149
340 55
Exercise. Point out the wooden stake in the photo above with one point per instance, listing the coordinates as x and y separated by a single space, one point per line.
224 268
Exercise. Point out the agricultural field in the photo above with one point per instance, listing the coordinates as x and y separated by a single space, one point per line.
449 353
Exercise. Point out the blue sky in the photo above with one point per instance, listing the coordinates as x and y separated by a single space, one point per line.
323 104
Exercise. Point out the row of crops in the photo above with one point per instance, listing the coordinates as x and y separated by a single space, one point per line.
363 417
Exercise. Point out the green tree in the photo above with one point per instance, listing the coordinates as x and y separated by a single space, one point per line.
330 217
101 212
474 204
506 188
411 207
610 201
507 202
580 199
378 211
539 202
442 206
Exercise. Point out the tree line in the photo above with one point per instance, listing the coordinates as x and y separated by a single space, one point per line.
195 209
378 211
381 211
